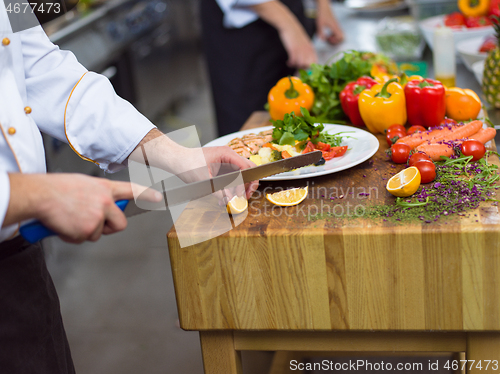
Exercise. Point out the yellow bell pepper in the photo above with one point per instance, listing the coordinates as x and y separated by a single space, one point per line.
382 106
405 79
472 8
289 95
462 104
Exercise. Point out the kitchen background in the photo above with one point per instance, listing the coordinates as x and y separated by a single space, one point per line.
117 296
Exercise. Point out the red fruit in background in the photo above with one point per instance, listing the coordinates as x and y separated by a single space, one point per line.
448 122
494 8
414 129
392 136
455 19
478 21
489 44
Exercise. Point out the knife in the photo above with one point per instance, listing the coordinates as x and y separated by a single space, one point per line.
36 231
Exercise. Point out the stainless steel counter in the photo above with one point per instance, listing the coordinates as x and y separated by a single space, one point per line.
360 32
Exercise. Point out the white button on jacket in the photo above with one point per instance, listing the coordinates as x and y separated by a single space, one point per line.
45 89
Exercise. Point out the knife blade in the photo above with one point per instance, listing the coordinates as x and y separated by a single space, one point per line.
36 231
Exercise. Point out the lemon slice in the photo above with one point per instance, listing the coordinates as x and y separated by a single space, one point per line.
405 183
237 205
288 197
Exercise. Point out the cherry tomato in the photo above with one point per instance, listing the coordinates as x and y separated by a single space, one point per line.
400 153
448 122
419 156
322 146
427 170
309 148
396 127
394 135
414 129
455 19
334 152
473 148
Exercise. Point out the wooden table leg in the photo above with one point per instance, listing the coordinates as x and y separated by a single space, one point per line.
219 355
483 347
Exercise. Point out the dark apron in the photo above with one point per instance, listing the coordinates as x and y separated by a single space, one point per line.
244 64
32 336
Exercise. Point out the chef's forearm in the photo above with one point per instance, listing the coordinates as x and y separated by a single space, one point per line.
276 14
25 190
158 150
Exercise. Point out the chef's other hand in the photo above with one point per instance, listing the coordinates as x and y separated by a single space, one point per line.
215 156
327 26
298 45
75 206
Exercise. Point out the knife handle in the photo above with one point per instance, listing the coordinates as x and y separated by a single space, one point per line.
35 231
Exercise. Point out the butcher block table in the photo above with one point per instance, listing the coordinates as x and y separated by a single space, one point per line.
282 282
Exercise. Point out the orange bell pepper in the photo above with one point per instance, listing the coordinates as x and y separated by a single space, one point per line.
289 95
471 8
462 104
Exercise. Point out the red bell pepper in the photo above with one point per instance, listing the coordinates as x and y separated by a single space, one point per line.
349 99
425 102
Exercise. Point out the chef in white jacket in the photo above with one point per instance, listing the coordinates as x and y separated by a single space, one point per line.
43 88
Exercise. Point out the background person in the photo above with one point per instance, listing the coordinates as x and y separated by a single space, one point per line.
251 44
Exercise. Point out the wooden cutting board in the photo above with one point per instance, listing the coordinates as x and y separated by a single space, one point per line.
277 270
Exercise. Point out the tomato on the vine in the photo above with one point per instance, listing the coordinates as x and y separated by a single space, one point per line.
414 129
418 156
473 148
400 153
392 136
427 170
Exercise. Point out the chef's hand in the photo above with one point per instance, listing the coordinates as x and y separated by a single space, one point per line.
298 45
190 164
327 25
75 206
216 156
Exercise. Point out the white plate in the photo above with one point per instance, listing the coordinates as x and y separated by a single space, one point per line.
362 146
478 69
469 51
428 25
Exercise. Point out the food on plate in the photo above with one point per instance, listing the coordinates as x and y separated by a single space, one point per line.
427 170
494 8
478 21
382 106
399 153
290 197
489 44
425 102
237 205
462 104
405 183
473 148
349 99
491 74
250 144
471 8
454 19
290 137
289 95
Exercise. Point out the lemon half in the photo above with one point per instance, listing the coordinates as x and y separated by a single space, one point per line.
237 205
288 197
405 183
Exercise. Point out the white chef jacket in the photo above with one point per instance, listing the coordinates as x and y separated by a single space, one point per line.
237 13
44 88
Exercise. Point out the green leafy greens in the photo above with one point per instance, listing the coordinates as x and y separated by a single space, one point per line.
328 81
294 128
